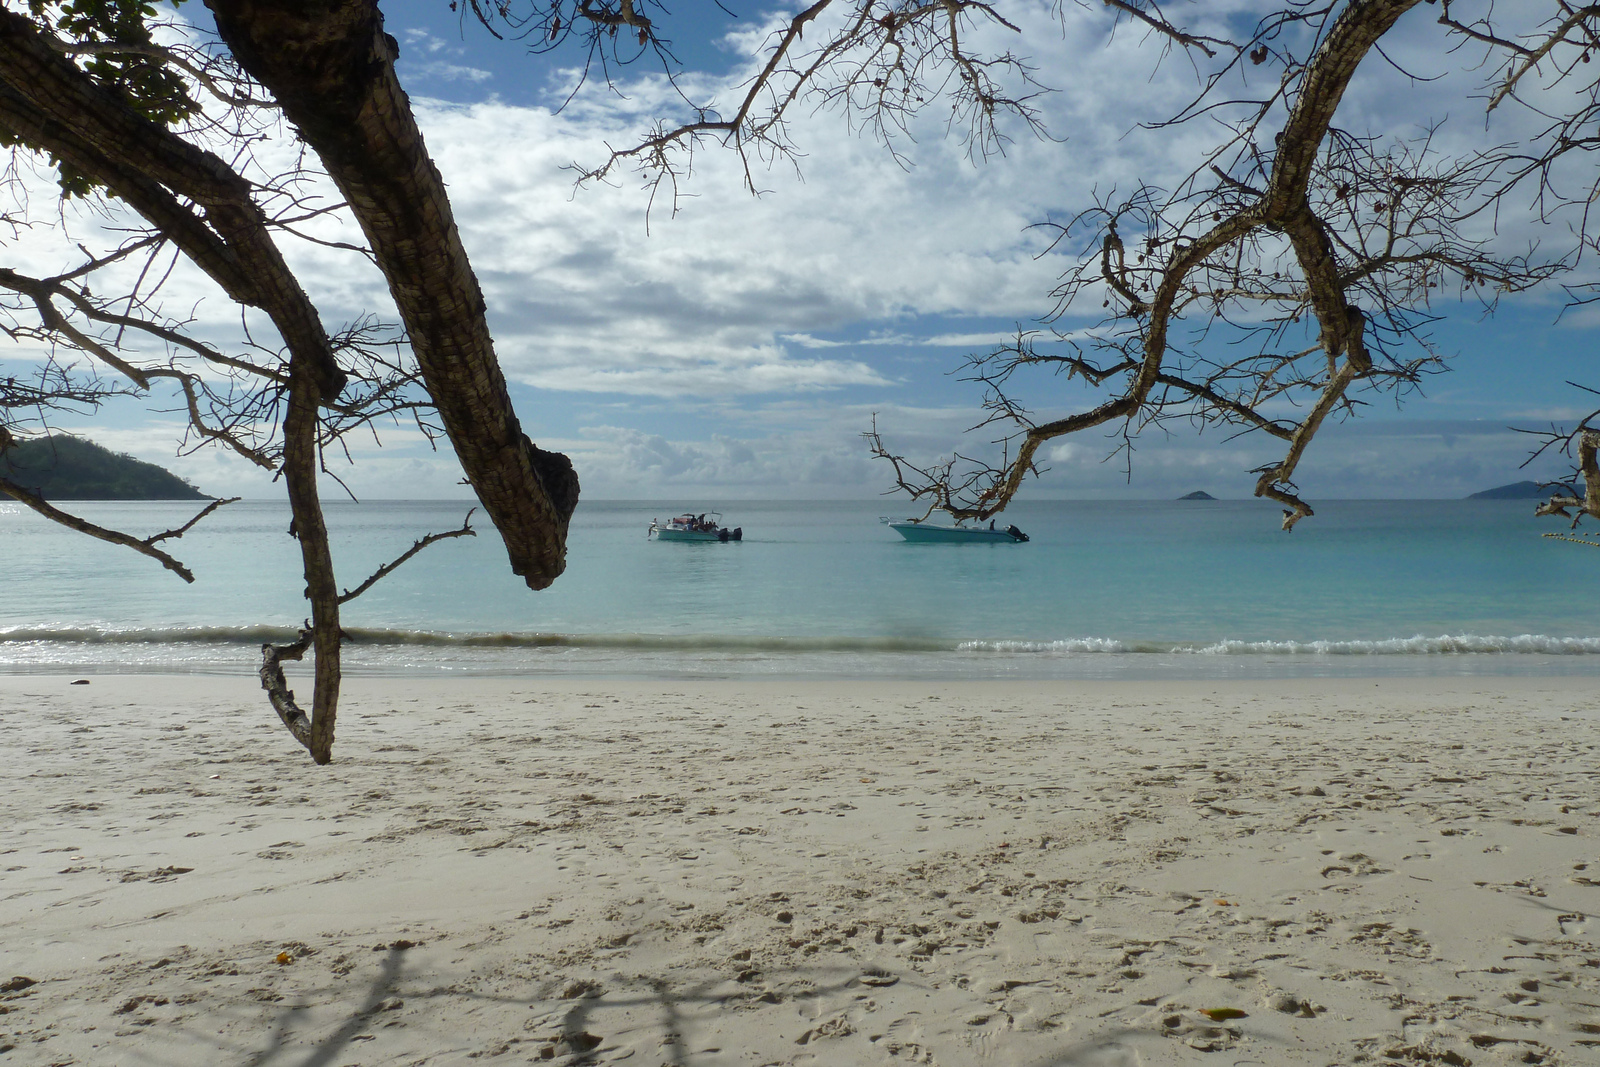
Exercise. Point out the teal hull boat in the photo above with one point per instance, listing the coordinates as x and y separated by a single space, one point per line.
913 530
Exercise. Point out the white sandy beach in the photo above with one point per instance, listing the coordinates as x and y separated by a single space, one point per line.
719 873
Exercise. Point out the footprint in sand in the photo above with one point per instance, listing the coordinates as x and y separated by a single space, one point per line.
903 1039
1196 1030
837 1026
989 1031
1289 1004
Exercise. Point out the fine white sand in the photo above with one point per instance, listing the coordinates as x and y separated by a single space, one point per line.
719 873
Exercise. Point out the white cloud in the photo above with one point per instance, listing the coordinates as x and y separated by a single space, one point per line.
904 340
620 461
582 295
452 72
805 340
969 340
435 67
782 319
708 378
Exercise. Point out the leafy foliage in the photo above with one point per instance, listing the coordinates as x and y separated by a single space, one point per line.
130 65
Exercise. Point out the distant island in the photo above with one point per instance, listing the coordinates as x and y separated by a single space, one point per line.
1514 491
72 468
1198 494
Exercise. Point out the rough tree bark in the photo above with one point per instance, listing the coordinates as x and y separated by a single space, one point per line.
1583 444
330 66
49 103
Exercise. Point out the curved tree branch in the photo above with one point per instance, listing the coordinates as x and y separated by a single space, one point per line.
330 66
144 546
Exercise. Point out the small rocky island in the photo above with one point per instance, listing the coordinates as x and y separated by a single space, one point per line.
1514 491
62 467
1198 494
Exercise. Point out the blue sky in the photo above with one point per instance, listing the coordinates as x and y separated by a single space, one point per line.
738 348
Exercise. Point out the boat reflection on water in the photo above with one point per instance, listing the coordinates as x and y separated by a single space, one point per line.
704 527
922 530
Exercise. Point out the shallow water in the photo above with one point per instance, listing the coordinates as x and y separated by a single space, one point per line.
1164 588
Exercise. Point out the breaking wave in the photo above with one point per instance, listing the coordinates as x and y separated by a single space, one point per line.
1419 645
257 635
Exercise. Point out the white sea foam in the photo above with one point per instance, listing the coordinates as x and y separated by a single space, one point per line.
1418 645
1076 644
235 650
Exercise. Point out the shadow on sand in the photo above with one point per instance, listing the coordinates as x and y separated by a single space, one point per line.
574 1043
379 994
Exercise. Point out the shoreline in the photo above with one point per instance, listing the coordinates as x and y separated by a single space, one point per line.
562 870
646 658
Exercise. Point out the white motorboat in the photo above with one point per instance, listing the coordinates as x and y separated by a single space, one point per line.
704 527
922 530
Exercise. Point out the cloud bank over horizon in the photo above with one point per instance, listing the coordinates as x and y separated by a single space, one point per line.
738 345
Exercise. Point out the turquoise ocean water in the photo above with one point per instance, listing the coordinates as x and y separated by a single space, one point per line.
1104 589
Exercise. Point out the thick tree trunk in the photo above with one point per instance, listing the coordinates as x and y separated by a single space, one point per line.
300 474
331 67
49 103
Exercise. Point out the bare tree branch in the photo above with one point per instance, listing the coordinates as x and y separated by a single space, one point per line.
144 546
422 543
277 686
1322 251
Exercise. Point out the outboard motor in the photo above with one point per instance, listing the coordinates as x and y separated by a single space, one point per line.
738 533
1016 533
723 535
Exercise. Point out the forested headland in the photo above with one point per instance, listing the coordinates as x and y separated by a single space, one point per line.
62 467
